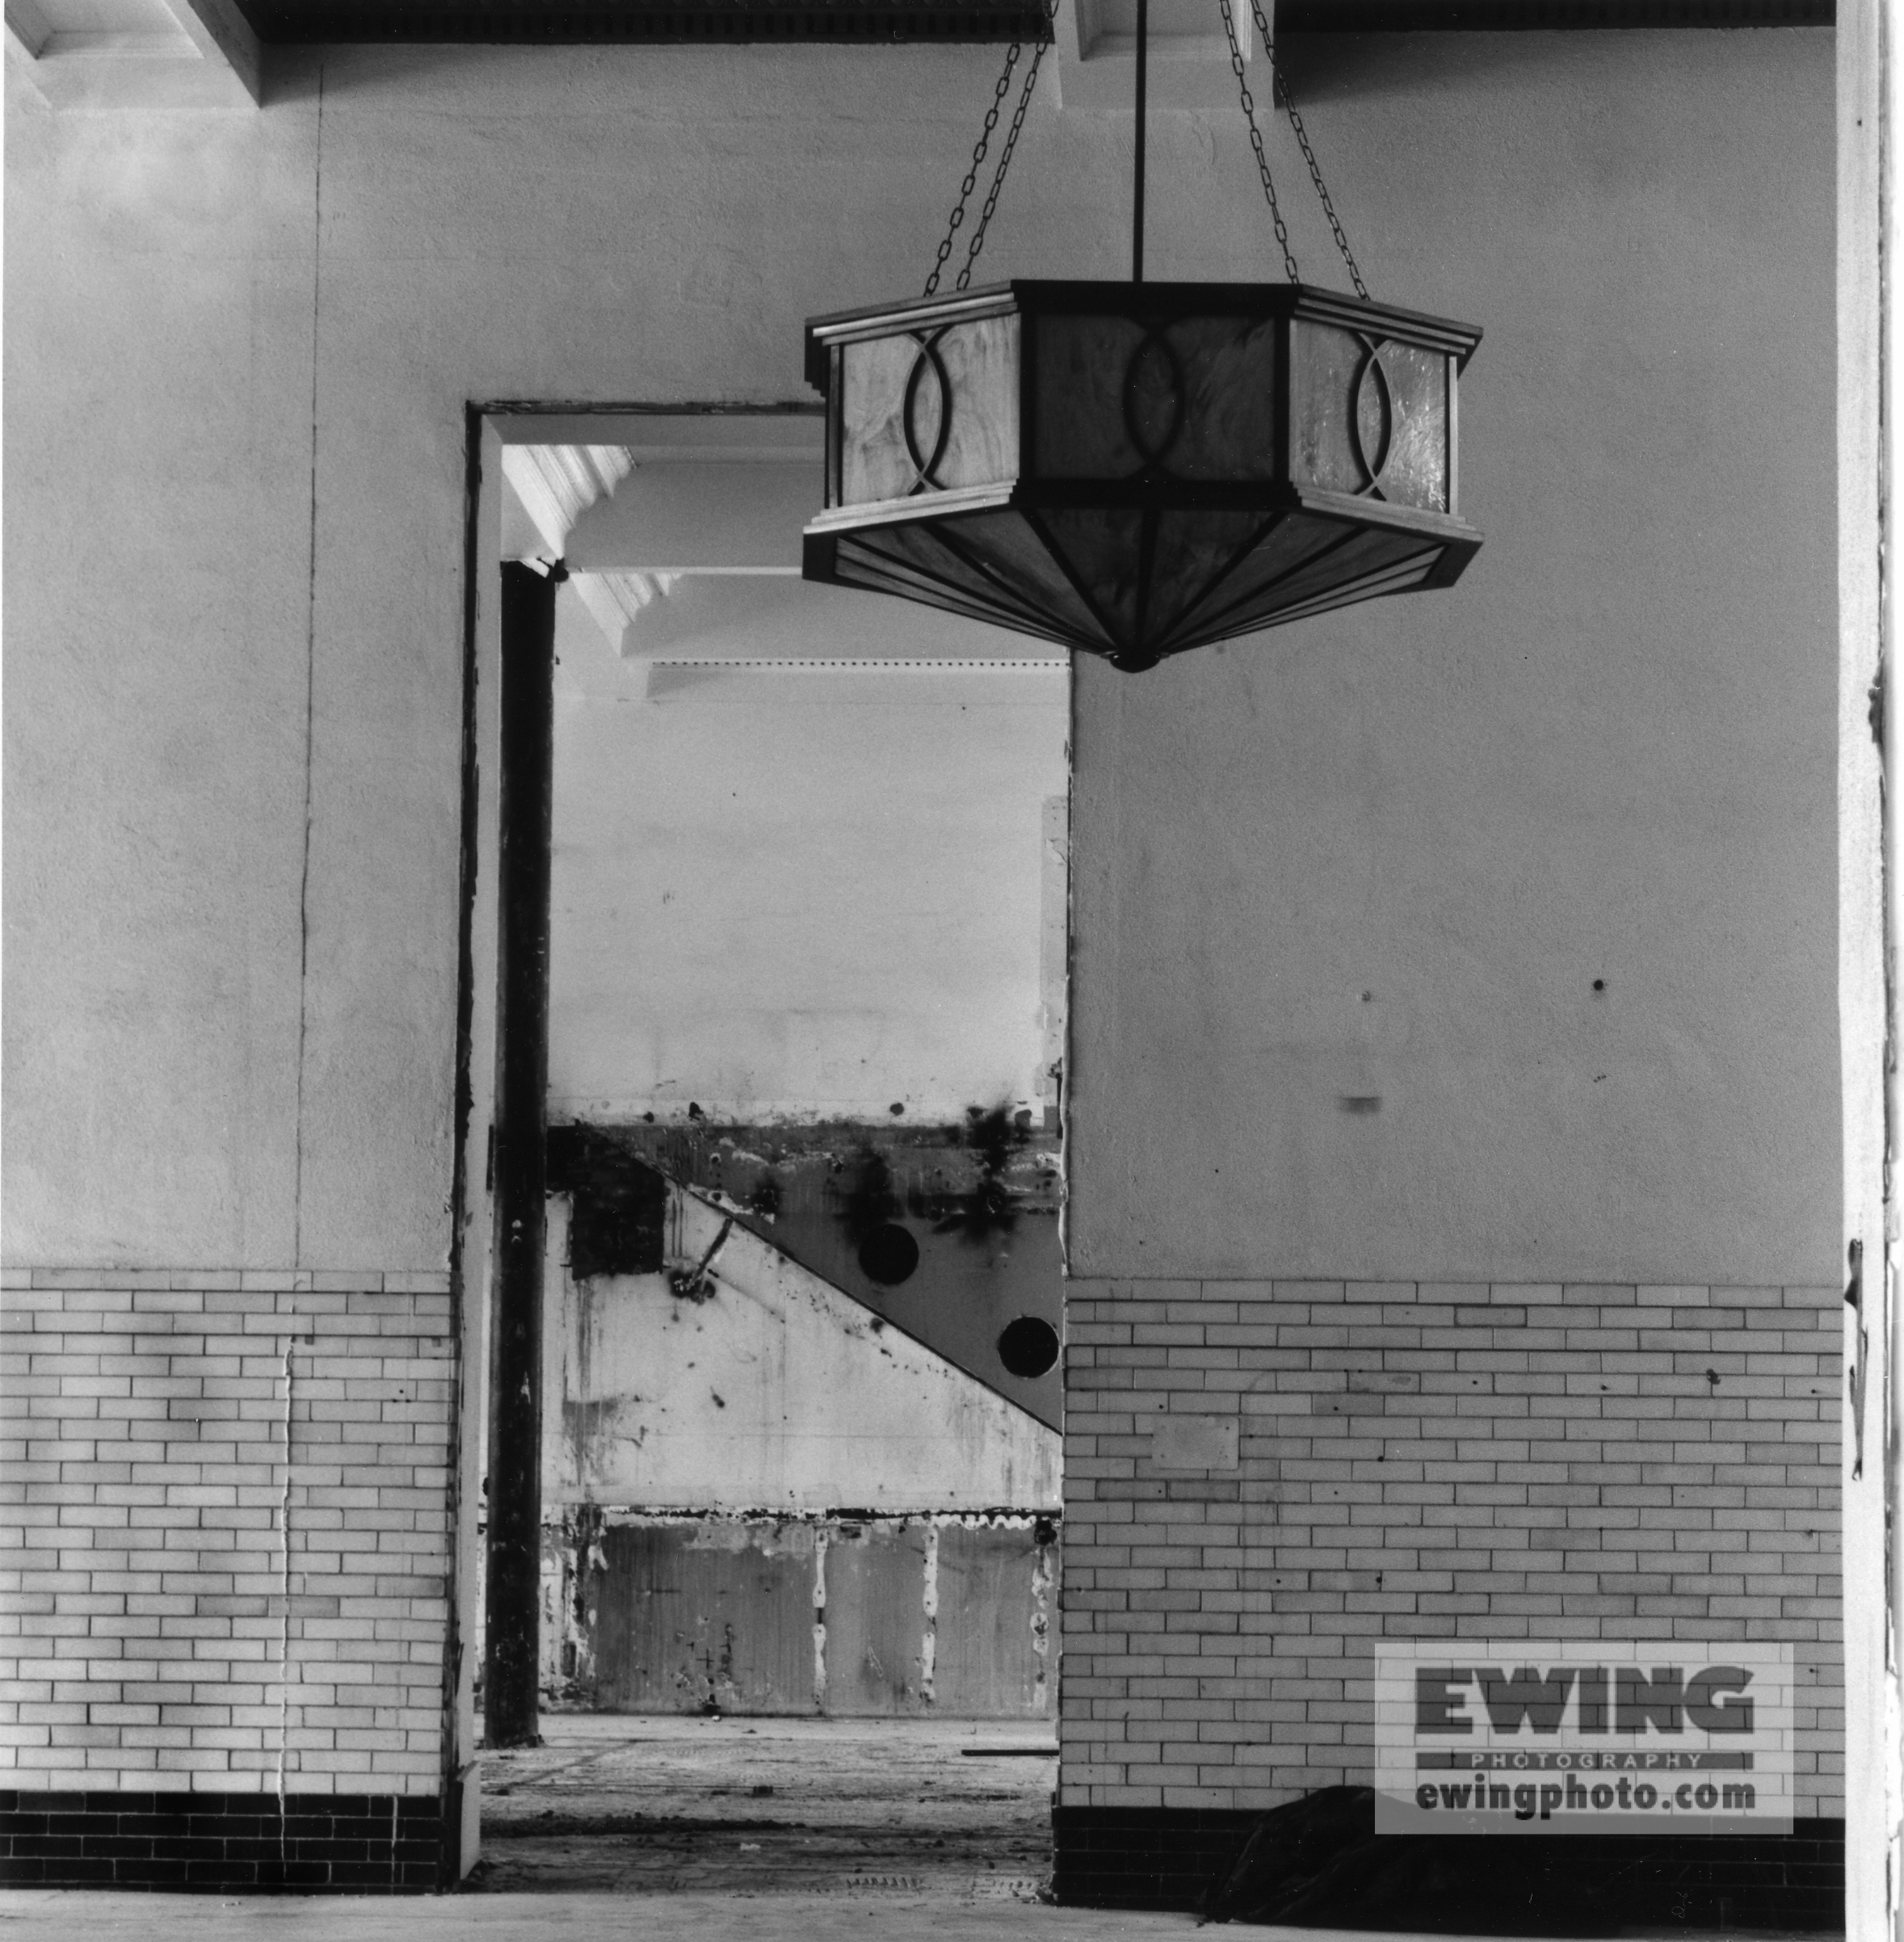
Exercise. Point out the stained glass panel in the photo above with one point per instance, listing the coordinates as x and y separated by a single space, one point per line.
930 410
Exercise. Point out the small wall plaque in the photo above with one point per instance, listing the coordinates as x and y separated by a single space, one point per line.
1194 1443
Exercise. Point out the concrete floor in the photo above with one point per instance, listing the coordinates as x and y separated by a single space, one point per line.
85 1915
82 1915
627 1829
955 1811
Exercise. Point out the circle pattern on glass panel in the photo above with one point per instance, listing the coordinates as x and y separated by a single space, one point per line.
1371 417
926 419
1153 397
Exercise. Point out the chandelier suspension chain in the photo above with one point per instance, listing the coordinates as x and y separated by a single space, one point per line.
1269 188
1281 92
971 181
1011 134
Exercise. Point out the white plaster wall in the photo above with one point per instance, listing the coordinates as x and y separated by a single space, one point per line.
1344 891
239 350
157 460
788 892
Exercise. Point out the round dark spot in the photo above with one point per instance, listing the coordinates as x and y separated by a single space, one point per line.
897 1108
1028 1346
889 1255
1599 984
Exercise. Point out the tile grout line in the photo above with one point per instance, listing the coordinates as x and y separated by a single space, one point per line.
284 1588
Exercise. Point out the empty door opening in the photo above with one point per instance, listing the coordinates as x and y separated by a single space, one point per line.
801 1302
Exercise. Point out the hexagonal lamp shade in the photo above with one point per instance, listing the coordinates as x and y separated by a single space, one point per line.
1138 470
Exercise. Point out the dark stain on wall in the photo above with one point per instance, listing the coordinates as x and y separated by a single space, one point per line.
618 1204
990 1206
864 1194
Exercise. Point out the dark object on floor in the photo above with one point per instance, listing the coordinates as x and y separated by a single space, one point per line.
1289 1851
1169 1857
1319 1862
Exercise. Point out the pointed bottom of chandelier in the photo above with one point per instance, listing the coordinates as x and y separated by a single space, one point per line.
1138 584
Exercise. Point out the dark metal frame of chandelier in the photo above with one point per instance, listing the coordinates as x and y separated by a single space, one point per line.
1137 470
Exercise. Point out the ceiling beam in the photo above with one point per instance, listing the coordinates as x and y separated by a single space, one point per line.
1548 16
210 57
220 32
653 22
660 22
29 26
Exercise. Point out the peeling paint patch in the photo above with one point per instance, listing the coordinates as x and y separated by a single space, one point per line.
820 1622
929 1643
1044 1588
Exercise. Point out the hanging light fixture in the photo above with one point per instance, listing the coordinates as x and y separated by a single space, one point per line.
1138 469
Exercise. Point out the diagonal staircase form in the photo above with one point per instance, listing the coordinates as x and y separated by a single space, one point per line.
737 1378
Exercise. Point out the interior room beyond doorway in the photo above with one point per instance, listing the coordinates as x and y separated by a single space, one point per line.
803 1274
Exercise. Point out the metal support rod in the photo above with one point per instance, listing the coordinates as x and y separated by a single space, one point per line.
514 1586
1137 222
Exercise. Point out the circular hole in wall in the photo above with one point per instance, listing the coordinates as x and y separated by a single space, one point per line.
1028 1346
889 1255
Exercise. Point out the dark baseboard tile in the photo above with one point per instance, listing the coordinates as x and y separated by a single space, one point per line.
311 1843
1170 1858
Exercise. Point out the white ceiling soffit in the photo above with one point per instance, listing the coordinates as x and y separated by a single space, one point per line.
864 683
750 619
136 53
615 599
553 486
677 515
557 484
708 435
711 494
1096 43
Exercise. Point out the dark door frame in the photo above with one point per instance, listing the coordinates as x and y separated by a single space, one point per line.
502 975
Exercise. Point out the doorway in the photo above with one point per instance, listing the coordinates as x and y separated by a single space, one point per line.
802 1290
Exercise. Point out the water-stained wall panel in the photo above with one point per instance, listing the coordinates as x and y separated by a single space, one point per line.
701 1616
878 1623
847 1617
997 1630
